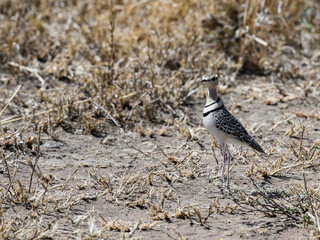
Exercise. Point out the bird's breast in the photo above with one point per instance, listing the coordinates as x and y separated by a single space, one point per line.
220 136
209 124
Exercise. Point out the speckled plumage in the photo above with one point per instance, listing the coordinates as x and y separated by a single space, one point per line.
224 127
228 124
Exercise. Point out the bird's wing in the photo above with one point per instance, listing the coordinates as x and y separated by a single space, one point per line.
228 124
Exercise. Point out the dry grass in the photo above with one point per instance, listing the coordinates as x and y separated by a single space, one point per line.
109 68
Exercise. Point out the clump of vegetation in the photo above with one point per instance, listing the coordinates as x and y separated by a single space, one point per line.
99 67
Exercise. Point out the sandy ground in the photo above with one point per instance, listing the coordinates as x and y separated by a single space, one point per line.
131 185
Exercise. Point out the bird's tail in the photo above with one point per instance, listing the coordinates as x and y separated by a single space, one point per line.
256 146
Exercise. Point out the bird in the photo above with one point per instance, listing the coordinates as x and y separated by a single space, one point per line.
222 125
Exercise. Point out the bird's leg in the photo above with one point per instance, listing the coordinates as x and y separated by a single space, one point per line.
224 160
228 164
229 153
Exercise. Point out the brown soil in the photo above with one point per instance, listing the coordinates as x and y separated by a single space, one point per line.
101 133
124 177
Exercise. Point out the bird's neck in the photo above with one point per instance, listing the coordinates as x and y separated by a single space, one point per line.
212 95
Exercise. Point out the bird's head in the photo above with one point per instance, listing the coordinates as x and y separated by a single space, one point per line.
211 80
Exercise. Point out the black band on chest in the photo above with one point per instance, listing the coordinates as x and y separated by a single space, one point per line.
213 110
212 103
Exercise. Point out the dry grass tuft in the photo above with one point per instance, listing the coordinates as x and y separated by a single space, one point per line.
100 132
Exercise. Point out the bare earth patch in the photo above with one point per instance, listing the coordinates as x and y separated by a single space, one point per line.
101 119
153 186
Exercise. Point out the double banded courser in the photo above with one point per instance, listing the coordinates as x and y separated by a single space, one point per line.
224 127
